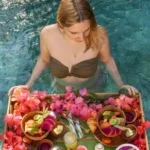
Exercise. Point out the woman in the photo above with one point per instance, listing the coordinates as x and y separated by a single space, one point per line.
72 48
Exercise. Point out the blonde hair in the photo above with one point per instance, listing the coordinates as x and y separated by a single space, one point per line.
76 11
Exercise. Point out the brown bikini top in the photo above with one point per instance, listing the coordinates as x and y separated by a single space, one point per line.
83 69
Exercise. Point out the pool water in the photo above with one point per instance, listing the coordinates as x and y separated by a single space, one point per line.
128 26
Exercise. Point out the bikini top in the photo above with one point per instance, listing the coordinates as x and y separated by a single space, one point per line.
83 69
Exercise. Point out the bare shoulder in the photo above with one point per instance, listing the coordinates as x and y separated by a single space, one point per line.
49 30
102 31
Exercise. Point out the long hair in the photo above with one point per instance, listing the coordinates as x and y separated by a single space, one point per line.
75 11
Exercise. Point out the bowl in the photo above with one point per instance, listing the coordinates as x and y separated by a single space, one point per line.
127 147
28 117
104 126
134 130
131 116
44 144
57 128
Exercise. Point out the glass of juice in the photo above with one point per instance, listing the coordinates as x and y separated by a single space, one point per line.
70 140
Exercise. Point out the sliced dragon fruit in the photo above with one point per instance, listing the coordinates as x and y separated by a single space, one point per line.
46 126
108 131
114 133
51 121
118 131
49 117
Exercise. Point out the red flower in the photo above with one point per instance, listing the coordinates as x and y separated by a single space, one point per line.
1 136
140 130
146 124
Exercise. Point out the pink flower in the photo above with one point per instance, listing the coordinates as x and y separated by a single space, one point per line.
67 106
9 119
85 113
83 92
93 106
23 108
32 102
129 100
99 106
18 139
119 102
110 101
68 88
19 147
122 96
69 95
58 104
75 110
17 121
19 131
79 100
42 94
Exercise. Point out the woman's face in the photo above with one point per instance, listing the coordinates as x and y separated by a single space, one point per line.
78 31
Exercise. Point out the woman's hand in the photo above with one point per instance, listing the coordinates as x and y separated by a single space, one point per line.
10 92
131 90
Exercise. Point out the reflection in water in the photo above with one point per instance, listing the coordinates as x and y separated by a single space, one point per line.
21 21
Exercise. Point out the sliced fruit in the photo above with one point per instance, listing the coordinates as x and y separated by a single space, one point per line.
114 133
118 131
118 121
46 126
117 113
121 121
51 121
113 121
108 131
105 125
40 121
106 140
108 113
29 123
58 129
37 116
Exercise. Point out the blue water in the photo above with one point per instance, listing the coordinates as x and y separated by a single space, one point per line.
128 26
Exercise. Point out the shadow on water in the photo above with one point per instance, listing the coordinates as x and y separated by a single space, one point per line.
127 23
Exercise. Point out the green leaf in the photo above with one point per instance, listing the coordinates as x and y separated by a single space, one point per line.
34 129
93 95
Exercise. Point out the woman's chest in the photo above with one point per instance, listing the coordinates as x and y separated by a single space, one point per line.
70 55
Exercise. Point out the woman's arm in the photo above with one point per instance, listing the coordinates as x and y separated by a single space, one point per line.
38 69
40 66
109 63
42 61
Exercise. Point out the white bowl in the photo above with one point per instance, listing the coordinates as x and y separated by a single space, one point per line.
131 145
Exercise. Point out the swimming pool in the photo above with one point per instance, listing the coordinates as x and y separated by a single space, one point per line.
127 23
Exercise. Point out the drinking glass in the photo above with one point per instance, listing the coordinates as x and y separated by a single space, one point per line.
70 141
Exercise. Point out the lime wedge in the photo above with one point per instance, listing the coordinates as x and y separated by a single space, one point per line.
118 120
37 117
40 121
113 121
